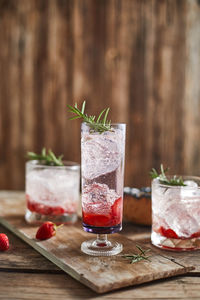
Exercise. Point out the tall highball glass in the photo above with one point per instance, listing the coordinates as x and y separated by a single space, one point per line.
102 163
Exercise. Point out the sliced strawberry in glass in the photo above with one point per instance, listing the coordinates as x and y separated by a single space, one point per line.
169 233
195 235
117 211
96 219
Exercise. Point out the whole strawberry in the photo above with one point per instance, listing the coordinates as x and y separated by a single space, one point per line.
46 231
4 242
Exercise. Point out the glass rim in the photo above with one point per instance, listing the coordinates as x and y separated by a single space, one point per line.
119 123
184 177
69 165
122 126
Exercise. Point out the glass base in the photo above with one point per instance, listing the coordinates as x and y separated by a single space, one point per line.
174 244
102 230
101 246
35 218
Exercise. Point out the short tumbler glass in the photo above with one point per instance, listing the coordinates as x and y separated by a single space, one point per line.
52 192
176 215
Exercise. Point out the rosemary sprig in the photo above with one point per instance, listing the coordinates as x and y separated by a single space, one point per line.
48 158
139 256
100 124
174 181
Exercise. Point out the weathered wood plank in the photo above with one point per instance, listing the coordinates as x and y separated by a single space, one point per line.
22 257
192 257
65 287
50 286
101 274
133 232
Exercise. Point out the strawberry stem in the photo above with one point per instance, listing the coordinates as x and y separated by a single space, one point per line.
57 226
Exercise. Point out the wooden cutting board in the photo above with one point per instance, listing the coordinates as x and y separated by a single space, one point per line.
101 274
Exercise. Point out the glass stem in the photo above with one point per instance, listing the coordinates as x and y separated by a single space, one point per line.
102 238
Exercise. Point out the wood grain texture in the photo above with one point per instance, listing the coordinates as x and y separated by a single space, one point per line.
20 286
21 257
133 232
17 284
192 257
26 274
139 57
101 274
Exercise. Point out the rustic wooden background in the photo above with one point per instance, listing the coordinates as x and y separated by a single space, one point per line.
141 58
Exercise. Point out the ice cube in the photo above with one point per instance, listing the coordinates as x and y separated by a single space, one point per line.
98 198
189 190
179 207
162 197
101 153
52 187
180 220
190 183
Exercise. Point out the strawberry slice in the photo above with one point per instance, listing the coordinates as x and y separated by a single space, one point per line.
112 219
195 235
46 209
169 233
117 211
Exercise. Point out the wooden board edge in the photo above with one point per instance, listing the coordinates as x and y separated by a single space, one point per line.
138 281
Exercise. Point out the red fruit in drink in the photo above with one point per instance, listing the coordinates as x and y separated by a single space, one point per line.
4 242
169 233
195 235
111 219
46 231
46 209
117 211
58 211
96 219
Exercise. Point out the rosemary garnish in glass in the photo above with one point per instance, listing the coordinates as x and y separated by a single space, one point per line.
174 181
47 158
139 256
99 124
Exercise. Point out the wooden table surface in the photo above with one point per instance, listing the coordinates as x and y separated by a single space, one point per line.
25 274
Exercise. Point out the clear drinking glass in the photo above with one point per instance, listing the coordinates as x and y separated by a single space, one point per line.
52 192
176 215
102 164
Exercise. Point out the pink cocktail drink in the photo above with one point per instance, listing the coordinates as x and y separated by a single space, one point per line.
52 192
102 162
96 214
176 215
102 166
